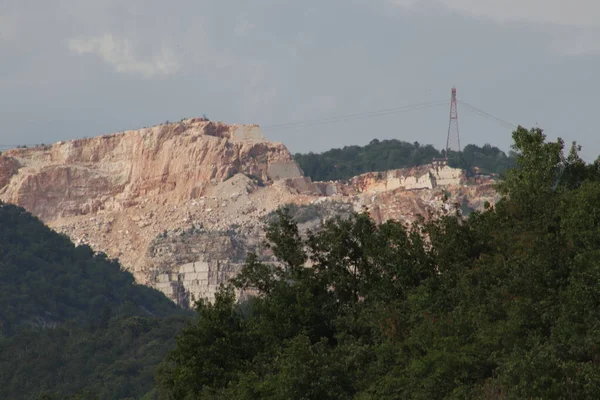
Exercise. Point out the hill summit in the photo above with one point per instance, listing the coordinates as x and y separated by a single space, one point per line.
181 204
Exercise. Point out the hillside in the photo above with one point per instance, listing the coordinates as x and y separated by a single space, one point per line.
181 204
349 161
71 319
46 280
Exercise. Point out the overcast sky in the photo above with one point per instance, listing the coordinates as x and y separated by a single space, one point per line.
75 68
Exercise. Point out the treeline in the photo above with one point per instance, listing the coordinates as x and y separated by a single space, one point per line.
349 161
72 321
503 304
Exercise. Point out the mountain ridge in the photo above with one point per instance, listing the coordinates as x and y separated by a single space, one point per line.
128 193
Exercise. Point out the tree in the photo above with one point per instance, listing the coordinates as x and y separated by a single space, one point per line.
349 161
502 304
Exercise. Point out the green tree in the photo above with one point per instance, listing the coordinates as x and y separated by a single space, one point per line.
349 161
500 305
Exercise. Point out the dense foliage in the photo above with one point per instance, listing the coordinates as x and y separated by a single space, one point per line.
114 360
486 160
501 305
72 320
349 161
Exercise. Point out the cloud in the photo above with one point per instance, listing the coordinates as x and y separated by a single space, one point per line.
243 26
573 25
121 55
580 43
581 13
7 29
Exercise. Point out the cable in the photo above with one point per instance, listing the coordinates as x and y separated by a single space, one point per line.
363 115
359 116
486 114
329 120
355 115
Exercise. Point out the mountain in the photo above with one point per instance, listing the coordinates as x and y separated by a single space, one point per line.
181 204
72 319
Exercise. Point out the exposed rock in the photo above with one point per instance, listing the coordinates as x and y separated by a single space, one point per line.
8 167
181 204
422 177
163 165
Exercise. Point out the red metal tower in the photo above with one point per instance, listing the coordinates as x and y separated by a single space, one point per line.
453 140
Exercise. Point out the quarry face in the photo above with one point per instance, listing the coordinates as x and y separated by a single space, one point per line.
181 204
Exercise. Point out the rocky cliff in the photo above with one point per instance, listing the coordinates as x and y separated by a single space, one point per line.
181 204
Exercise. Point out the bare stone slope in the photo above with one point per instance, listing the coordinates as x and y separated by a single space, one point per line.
181 204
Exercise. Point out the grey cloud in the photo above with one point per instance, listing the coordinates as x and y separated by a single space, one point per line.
7 29
581 13
121 54
573 25
87 68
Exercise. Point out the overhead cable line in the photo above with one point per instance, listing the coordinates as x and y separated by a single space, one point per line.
347 117
361 116
487 115
331 120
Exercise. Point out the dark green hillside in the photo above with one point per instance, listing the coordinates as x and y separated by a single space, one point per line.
349 161
115 360
73 320
45 279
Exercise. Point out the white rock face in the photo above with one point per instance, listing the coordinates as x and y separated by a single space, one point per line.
417 178
247 132
446 176
196 280
137 195
283 170
424 181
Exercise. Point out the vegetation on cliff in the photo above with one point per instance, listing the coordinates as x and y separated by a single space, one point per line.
503 304
349 161
72 320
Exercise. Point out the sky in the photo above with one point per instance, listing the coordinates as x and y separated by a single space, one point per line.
73 68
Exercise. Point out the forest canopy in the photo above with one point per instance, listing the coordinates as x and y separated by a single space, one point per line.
349 161
503 304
